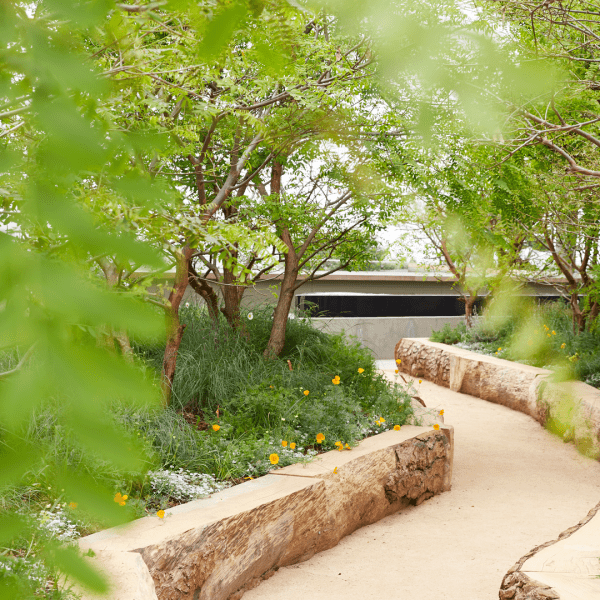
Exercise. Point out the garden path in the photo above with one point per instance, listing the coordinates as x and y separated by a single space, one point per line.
514 486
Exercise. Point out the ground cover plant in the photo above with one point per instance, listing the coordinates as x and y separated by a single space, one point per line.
541 336
234 416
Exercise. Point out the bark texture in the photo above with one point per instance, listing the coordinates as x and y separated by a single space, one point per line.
174 328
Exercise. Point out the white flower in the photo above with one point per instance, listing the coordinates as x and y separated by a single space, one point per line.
250 316
187 304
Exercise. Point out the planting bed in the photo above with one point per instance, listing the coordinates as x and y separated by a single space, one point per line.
219 547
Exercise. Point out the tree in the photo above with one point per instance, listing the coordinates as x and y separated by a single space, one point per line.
326 213
565 120
471 215
228 122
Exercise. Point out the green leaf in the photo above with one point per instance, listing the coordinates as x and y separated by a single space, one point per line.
17 458
220 29
92 498
10 528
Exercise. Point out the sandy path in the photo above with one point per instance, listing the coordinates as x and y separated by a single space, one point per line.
514 486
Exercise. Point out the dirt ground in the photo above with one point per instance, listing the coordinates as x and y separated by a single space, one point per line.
514 486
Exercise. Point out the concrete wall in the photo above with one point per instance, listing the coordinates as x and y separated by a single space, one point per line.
381 334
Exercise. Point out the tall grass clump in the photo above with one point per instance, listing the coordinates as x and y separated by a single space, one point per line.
223 380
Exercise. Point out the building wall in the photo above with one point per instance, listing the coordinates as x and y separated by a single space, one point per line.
381 334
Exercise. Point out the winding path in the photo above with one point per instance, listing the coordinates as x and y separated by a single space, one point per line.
514 486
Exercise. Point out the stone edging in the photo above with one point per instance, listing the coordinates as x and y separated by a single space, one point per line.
517 585
219 547
519 387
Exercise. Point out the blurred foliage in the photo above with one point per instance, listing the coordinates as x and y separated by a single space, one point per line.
99 111
541 335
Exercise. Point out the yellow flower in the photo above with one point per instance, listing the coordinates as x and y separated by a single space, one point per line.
420 381
436 427
548 335
120 499
320 438
396 371
361 370
382 419
274 458
284 443
396 427
563 346
499 349
293 445
336 380
271 386
160 514
442 412
72 504
335 470
306 392
553 332
348 447
216 427
398 361
338 444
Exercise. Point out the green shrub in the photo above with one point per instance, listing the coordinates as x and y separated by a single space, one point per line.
448 334
223 378
542 336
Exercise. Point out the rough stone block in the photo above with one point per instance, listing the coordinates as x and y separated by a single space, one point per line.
217 548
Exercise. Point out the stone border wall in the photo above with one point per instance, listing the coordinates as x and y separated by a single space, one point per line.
573 407
517 583
519 387
217 548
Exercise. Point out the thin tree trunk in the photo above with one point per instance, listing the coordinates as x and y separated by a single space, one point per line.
579 317
284 302
109 336
174 327
122 339
206 292
469 304
232 298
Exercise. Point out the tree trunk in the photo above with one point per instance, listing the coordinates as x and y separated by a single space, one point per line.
232 297
122 339
579 317
109 336
284 302
174 327
205 291
469 304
